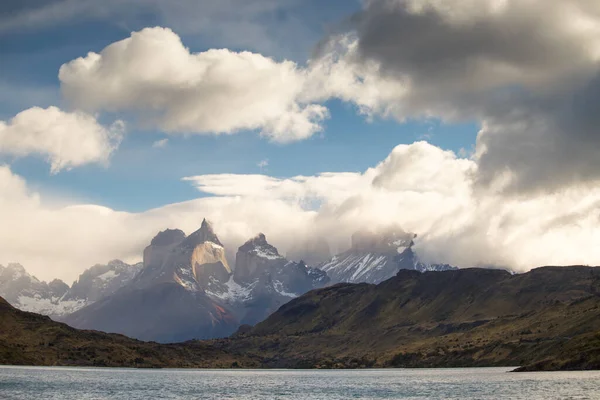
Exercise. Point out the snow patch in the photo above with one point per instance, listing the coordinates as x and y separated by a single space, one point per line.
281 290
235 292
265 253
214 245
108 275
53 306
401 249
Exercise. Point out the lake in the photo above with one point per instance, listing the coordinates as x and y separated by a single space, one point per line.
469 383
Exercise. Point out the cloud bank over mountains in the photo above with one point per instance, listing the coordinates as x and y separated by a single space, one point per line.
419 187
527 71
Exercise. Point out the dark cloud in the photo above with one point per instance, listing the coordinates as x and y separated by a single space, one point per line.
528 71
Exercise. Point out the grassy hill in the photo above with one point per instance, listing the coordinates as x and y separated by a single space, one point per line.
547 318
31 339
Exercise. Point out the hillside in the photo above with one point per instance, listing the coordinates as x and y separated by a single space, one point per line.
31 339
548 318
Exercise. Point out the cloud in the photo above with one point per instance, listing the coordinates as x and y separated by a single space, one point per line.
527 71
65 139
159 144
433 193
419 187
217 91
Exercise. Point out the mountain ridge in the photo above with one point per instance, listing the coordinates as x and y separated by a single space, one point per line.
547 319
187 281
468 317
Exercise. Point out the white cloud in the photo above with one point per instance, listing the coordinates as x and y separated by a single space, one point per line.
159 144
66 139
217 91
419 187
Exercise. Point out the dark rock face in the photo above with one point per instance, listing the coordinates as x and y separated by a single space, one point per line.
375 257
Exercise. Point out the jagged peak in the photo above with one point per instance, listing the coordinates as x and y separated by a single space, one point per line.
168 237
258 245
206 233
117 263
16 267
17 271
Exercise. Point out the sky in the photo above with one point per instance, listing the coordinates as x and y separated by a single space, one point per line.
473 125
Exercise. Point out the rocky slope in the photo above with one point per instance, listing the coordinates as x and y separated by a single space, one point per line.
32 339
473 317
56 299
187 290
375 257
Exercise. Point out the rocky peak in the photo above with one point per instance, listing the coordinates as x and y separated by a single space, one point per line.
259 246
14 271
168 237
202 235
58 288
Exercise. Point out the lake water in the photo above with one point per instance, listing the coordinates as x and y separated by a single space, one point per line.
479 383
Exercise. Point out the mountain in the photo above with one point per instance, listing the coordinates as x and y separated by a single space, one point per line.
375 257
187 290
548 318
29 293
263 280
167 300
56 298
100 281
32 339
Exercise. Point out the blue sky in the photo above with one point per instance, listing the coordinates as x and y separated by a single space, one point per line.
140 176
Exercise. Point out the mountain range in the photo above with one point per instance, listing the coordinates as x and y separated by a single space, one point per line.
186 289
377 256
56 299
546 319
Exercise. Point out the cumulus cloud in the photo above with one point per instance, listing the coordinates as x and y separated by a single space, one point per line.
217 91
65 139
526 70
